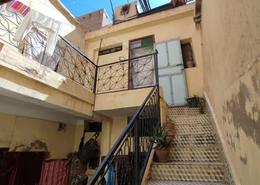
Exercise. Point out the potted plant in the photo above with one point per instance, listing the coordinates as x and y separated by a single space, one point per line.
197 101
162 144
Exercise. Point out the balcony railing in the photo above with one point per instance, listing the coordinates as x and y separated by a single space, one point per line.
67 60
127 159
127 74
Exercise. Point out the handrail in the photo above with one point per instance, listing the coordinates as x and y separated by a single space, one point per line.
125 60
133 122
75 48
68 60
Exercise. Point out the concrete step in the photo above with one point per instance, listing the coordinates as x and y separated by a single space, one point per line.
195 154
194 140
182 119
174 111
194 172
189 129
158 182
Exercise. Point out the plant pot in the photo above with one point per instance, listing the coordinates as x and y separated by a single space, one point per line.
189 64
163 154
192 102
170 130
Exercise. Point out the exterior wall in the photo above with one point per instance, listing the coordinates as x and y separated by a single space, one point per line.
94 20
231 42
118 103
75 38
166 25
17 130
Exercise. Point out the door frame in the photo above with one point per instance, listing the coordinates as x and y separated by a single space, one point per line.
185 76
129 59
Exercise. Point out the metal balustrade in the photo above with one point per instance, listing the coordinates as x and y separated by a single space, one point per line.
67 60
127 74
128 157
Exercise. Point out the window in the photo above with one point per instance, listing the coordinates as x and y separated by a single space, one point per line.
142 43
92 126
187 55
125 9
110 50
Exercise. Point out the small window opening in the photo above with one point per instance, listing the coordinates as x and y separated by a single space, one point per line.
125 9
92 126
187 55
110 50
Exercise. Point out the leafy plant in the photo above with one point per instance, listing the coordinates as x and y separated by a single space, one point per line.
160 138
197 101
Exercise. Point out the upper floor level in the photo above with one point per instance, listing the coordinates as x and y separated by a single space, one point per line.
97 72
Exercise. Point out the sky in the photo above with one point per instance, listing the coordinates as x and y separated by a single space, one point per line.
81 7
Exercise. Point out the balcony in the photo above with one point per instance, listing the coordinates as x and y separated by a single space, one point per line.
60 86
66 59
70 62
113 83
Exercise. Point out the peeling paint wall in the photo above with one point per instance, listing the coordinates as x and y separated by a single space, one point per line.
231 42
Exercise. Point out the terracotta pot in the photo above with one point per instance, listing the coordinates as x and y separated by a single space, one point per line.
189 64
163 154
170 130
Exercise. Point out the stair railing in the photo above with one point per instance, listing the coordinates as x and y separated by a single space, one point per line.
126 161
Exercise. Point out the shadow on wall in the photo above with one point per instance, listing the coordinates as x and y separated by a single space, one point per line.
242 110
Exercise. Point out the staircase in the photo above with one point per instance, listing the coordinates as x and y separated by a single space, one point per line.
196 155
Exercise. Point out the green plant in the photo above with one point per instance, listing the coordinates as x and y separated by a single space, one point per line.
160 139
197 101
201 105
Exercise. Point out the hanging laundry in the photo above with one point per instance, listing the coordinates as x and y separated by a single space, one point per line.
111 177
38 20
19 7
55 172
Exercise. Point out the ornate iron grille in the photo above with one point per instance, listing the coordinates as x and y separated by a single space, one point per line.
127 160
112 77
66 60
127 74
73 64
69 61
9 22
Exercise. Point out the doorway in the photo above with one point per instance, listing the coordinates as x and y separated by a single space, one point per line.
141 71
171 72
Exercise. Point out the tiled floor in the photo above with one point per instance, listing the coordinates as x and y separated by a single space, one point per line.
196 155
181 183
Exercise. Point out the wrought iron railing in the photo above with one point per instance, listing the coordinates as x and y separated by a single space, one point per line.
9 21
126 161
66 59
127 74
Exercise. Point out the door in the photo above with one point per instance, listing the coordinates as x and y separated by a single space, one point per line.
141 69
171 72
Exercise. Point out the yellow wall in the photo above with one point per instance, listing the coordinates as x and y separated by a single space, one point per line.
17 130
120 100
167 25
75 38
231 42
